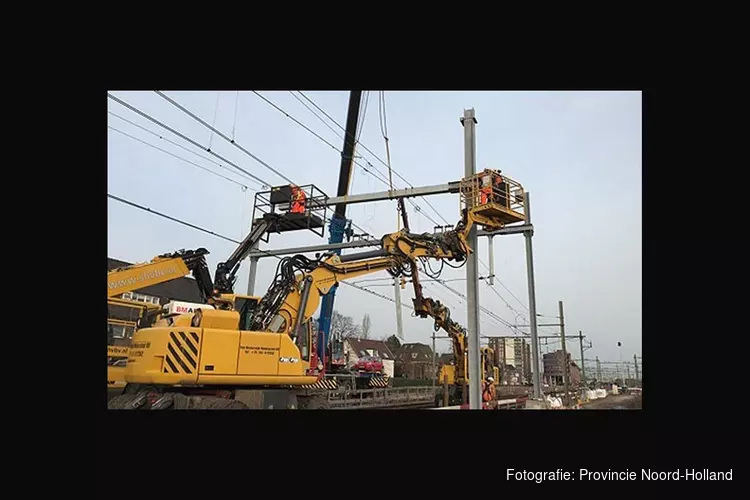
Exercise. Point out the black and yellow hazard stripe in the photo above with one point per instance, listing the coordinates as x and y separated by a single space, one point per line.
378 382
182 352
329 384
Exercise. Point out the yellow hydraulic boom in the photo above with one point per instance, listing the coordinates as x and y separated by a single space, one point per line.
162 268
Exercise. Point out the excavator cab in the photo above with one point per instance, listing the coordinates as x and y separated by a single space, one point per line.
302 207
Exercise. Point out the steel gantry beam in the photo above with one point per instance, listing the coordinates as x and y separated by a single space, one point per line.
259 254
451 187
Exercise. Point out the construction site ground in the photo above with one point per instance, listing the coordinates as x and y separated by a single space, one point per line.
619 402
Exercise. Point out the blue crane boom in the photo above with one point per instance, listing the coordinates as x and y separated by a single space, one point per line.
338 224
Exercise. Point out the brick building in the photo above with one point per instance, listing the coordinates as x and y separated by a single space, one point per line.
414 361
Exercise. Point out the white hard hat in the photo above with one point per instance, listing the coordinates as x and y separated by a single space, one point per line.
490 379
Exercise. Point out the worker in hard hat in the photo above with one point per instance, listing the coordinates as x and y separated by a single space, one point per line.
485 189
298 200
488 394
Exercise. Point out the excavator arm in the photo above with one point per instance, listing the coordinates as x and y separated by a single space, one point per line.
162 268
300 282
168 267
225 275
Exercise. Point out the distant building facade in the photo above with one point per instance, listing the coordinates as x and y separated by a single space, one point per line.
513 357
554 369
414 361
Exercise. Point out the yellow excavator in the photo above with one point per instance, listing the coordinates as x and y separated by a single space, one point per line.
456 374
247 353
161 269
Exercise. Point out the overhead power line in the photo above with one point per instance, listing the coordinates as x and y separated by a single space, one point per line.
186 138
191 114
217 132
173 219
294 119
244 187
161 137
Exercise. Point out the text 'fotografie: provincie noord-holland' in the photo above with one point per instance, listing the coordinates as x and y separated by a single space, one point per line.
626 475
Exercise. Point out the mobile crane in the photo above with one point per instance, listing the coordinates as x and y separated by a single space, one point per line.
239 357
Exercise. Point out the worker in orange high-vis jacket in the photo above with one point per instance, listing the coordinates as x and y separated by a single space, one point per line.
298 200
488 394
486 187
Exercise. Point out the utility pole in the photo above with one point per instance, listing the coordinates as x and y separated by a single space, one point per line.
566 377
598 370
635 362
469 122
399 320
627 366
434 372
583 361
532 303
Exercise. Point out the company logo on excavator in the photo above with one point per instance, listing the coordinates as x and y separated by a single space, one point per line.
148 275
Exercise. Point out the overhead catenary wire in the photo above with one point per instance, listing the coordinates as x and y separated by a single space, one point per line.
372 170
185 110
166 139
381 177
186 138
231 141
244 187
262 182
173 219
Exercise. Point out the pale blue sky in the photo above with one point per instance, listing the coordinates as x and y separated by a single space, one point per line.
577 153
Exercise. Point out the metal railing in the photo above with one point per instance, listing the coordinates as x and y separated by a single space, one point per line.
316 203
507 197
382 398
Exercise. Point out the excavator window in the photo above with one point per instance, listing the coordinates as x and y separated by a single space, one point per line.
245 307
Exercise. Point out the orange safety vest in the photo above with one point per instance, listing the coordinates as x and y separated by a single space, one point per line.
488 390
486 189
298 200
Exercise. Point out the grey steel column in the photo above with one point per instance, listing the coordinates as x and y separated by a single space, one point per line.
253 271
532 302
583 359
434 370
566 368
491 278
472 276
399 320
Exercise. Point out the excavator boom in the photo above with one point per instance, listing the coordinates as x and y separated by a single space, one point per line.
163 268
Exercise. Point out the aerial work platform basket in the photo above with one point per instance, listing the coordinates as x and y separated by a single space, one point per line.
303 207
497 200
